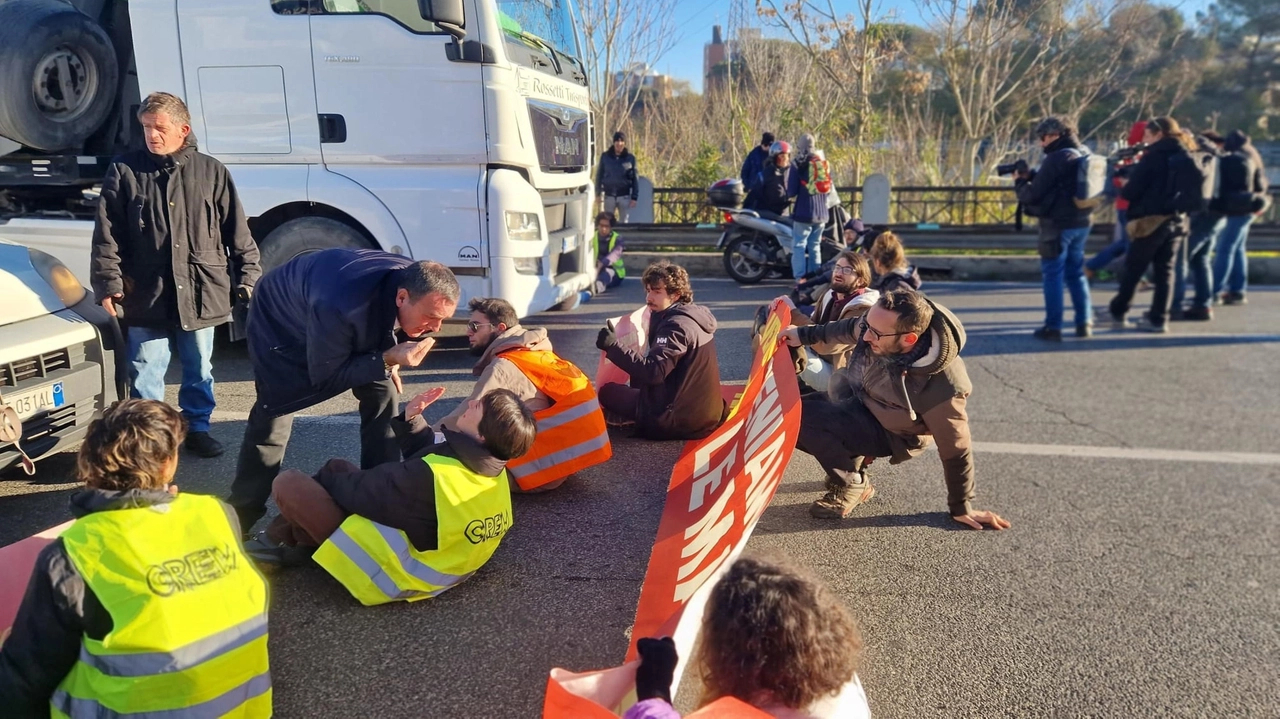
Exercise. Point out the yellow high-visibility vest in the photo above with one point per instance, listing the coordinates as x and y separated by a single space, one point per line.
378 564
618 265
189 611
572 434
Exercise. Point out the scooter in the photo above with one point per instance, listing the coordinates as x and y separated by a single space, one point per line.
758 244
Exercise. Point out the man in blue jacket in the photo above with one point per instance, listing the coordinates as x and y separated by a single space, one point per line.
325 323
753 164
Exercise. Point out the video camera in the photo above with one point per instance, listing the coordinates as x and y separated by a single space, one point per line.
1009 168
1127 154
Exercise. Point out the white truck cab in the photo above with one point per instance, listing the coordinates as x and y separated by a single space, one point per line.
450 130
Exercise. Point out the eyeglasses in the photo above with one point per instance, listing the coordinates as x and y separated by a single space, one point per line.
864 328
843 270
475 326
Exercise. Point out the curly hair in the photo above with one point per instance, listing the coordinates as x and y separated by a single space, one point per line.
131 445
772 633
670 276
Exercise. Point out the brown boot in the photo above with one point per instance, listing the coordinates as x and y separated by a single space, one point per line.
840 500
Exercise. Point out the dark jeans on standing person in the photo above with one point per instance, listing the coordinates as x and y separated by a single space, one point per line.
840 435
265 439
1193 260
1156 250
308 515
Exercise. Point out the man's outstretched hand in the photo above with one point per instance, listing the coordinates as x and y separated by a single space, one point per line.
409 354
418 404
978 517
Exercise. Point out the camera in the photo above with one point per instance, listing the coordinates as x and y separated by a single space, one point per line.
1009 168
1126 154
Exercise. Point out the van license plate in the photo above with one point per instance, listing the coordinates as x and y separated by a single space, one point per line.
568 244
37 400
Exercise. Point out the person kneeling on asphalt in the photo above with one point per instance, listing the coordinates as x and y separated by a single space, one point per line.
571 429
413 529
674 391
905 383
146 605
848 296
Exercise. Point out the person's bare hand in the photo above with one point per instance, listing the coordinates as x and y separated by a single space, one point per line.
409 354
978 517
109 304
396 380
791 336
633 204
172 489
420 403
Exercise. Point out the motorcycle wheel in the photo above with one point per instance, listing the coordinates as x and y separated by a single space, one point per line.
738 262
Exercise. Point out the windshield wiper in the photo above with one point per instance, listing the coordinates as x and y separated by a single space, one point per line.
532 39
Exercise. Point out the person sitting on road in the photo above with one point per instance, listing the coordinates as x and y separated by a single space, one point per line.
773 637
146 603
413 529
810 287
674 391
904 385
610 270
572 434
848 296
889 263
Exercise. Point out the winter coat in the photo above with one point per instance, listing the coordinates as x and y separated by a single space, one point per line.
1049 194
165 229
494 372
835 354
771 194
1239 174
318 326
914 396
752 167
1148 188
401 495
901 278
811 205
678 377
59 610
616 175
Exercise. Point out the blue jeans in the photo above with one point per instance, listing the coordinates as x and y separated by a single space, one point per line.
1067 268
1230 263
805 238
149 349
1117 248
1205 227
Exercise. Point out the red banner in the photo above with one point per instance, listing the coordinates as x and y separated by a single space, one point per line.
719 488
16 563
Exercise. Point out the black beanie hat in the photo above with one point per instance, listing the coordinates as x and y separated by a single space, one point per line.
619 136
766 139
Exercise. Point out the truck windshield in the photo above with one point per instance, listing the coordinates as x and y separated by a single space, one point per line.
547 25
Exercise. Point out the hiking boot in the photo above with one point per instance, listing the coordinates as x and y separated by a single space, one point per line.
1234 298
1199 314
1050 335
840 501
1144 324
1085 330
202 445
760 320
265 552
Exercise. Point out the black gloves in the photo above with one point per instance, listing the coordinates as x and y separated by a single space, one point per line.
657 668
243 293
607 338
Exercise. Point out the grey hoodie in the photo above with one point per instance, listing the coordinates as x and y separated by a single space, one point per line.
494 372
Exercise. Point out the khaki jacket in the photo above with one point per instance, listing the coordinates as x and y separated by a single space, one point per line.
916 396
494 372
836 354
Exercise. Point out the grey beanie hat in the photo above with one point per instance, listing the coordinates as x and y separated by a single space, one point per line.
804 145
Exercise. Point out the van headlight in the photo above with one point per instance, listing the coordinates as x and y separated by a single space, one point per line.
62 280
523 225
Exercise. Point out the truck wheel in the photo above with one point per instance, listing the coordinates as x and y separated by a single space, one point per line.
58 74
304 235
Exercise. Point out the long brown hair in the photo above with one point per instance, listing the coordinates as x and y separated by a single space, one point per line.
1169 127
772 633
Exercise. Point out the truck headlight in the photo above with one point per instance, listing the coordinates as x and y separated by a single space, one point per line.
523 225
62 280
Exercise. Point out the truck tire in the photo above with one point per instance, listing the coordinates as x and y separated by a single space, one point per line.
58 74
304 235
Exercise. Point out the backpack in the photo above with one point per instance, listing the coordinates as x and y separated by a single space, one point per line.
1090 172
1193 181
817 176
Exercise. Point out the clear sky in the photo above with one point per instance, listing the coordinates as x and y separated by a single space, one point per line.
694 19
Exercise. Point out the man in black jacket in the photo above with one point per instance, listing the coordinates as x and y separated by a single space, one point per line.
325 323
168 219
675 386
1049 194
616 184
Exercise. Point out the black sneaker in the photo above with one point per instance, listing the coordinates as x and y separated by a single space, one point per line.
1234 298
1198 314
1084 330
1044 333
264 552
202 445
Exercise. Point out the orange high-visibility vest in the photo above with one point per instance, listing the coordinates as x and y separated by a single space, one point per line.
571 432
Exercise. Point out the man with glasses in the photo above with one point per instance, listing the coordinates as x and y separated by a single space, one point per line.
905 384
1048 194
847 296
521 359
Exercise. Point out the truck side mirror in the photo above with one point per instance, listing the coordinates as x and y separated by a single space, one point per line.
448 14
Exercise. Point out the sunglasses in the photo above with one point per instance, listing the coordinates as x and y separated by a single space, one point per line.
475 326
864 328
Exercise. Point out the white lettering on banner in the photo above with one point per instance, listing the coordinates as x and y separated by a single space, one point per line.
764 463
704 476
705 534
767 418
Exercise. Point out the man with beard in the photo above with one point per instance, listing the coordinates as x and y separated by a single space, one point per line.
904 386
848 296
571 430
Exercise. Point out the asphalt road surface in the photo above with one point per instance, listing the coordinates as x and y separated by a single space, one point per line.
1140 577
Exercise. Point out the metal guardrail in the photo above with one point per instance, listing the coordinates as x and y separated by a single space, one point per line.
983 206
